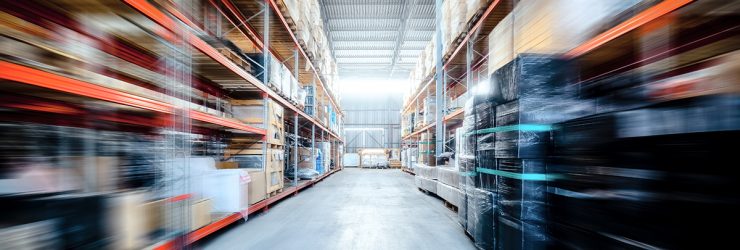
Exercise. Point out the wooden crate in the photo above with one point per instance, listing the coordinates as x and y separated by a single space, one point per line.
274 169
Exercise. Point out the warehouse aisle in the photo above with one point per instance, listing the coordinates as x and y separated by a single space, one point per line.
353 209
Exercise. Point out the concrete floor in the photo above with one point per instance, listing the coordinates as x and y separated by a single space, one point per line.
353 209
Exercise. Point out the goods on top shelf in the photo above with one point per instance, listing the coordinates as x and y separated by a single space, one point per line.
305 16
549 27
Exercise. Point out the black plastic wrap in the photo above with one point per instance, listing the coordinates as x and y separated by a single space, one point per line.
480 217
521 198
487 160
517 234
661 181
522 203
485 116
528 75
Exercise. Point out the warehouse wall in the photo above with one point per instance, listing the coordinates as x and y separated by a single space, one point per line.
372 120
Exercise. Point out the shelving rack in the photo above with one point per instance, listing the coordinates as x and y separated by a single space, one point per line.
458 71
166 21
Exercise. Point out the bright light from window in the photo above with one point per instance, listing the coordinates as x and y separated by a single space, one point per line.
373 86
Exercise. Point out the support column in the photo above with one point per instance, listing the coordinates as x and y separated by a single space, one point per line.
266 41
439 81
313 144
295 150
295 71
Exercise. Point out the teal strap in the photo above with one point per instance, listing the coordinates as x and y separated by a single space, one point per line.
518 127
426 142
526 177
469 173
427 152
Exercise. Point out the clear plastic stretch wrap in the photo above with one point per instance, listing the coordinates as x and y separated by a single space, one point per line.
449 193
430 108
480 217
449 176
426 184
421 169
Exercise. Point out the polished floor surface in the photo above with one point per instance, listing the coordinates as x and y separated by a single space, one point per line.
352 209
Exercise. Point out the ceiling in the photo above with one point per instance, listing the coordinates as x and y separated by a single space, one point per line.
378 38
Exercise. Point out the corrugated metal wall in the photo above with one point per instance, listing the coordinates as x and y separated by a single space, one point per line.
372 121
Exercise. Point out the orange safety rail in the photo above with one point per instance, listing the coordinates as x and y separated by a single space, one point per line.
163 20
633 23
40 78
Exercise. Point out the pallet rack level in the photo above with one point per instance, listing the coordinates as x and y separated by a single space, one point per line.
650 14
163 20
40 78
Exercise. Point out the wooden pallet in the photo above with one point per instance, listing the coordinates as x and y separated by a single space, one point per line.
236 59
455 43
394 164
274 193
450 206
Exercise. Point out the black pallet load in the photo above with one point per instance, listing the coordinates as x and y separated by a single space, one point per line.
532 94
652 177
485 155
521 206
73 221
466 160
480 217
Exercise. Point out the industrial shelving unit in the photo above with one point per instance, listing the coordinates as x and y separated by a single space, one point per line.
457 72
169 23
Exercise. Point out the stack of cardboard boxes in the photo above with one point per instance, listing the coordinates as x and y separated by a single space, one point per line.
251 153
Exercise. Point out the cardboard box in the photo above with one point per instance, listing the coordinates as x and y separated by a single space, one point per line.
200 213
227 165
257 187
131 219
105 172
253 111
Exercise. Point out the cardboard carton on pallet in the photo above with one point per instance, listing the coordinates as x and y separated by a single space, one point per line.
252 112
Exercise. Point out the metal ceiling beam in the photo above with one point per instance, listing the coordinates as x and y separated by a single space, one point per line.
325 19
366 18
401 32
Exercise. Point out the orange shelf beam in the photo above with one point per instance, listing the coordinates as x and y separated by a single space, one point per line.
40 78
425 128
453 114
417 95
633 23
